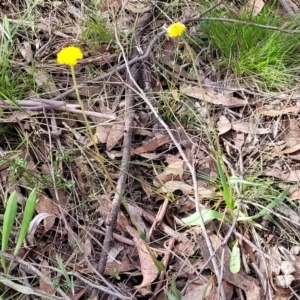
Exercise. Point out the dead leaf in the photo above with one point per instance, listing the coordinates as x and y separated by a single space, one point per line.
290 176
206 191
104 209
115 134
122 266
101 134
239 138
114 251
254 7
275 112
148 268
17 116
224 125
45 205
247 127
171 186
173 170
199 292
292 134
295 195
33 226
137 7
45 81
212 96
26 52
152 144
47 273
291 149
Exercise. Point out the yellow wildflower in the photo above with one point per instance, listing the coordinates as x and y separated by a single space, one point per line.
69 55
176 29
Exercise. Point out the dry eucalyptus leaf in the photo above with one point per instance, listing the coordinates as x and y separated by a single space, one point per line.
47 273
212 96
148 268
291 149
290 176
247 127
17 116
275 112
152 144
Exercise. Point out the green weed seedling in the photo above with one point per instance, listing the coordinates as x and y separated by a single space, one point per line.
175 294
9 219
69 280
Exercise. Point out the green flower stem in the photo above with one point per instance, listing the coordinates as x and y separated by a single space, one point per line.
99 156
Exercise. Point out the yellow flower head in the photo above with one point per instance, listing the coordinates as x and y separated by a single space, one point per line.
69 55
176 29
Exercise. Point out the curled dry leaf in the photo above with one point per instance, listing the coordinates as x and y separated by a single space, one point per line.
45 205
148 268
34 224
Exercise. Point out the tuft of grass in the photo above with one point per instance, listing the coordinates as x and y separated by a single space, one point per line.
256 55
15 83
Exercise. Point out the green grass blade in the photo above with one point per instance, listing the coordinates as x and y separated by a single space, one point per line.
269 207
226 188
64 272
8 221
28 214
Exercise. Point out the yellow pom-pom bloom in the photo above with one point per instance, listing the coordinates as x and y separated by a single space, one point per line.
176 29
69 56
